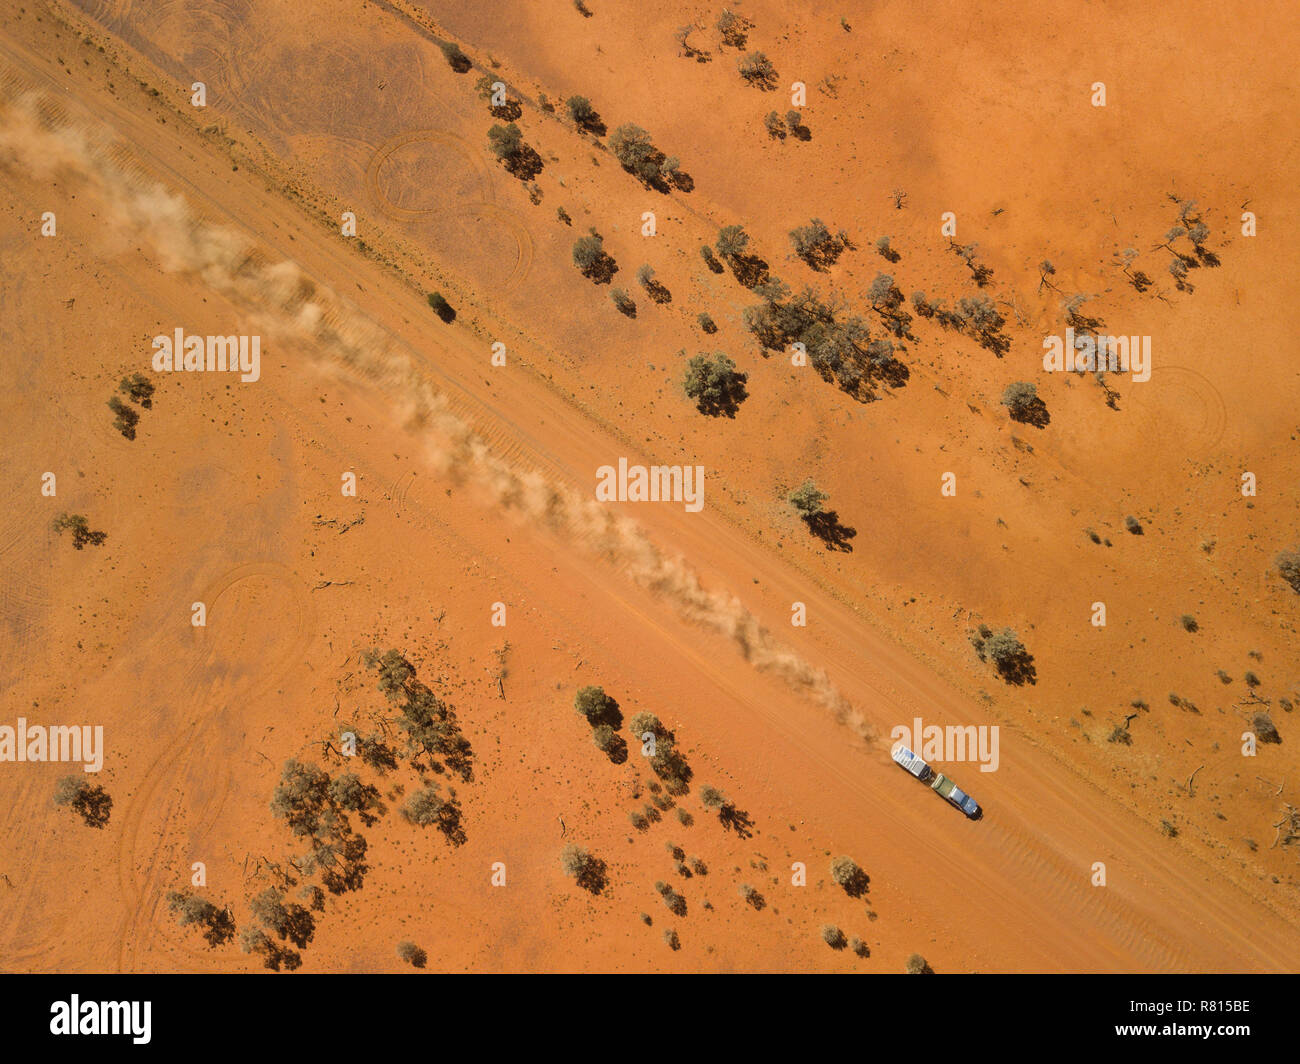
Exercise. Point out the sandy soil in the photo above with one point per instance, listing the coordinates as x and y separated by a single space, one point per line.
472 480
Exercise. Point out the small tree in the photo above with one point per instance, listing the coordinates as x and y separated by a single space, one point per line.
218 925
593 703
714 384
814 244
732 241
80 527
505 141
125 419
138 388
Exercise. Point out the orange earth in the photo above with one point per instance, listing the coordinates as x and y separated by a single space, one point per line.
475 480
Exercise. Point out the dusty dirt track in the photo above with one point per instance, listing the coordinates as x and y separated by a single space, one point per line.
224 496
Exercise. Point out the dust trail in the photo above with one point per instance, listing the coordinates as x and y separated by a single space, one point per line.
286 303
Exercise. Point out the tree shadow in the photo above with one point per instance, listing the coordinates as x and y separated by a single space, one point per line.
1034 412
749 270
737 820
1018 669
658 292
508 111
682 181
826 526
801 132
726 402
602 269
524 164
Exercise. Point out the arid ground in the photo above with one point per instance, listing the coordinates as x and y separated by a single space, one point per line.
335 171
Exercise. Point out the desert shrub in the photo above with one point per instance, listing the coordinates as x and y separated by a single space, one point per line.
714 384
707 324
684 818
1013 662
1252 681
427 808
584 115
590 257
90 802
348 792
698 867
675 902
655 289
1133 525
563 215
808 500
833 937
922 305
80 528
1264 728
775 126
1120 734
441 307
289 920
639 820
794 119
758 70
1023 404
752 897
1169 829
1188 622
847 874
706 253
886 251
917 965
712 798
456 59
856 945
623 302
412 954
507 144
733 29
1288 567
217 925
587 870
274 956
671 940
